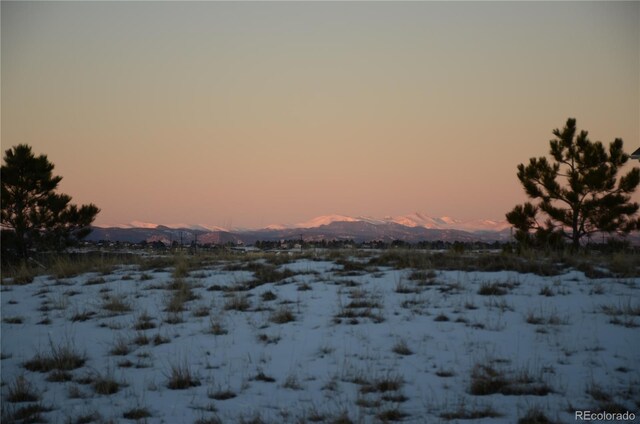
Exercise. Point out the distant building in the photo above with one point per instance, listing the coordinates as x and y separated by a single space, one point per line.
636 154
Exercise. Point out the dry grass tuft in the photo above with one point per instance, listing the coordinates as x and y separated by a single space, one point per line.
145 322
120 347
19 274
181 377
401 348
487 380
20 390
221 394
238 302
381 385
492 289
62 357
535 415
282 315
138 413
105 385
115 304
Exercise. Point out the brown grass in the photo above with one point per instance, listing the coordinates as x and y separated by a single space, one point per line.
180 377
61 357
20 390
282 315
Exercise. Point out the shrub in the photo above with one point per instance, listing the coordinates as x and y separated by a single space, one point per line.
74 392
217 327
403 288
304 287
399 259
546 291
145 322
115 304
28 414
221 395
350 267
159 339
57 376
488 380
181 267
391 414
381 385
292 383
445 373
181 378
62 357
120 347
423 277
105 385
82 316
535 415
67 266
542 318
182 293
268 296
92 417
485 380
20 390
19 274
174 318
13 320
95 281
136 413
238 303
491 289
282 315
201 311
267 339
263 273
622 308
401 348
261 376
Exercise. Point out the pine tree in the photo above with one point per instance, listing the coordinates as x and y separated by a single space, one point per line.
34 216
578 190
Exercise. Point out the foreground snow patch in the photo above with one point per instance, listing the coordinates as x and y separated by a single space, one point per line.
310 341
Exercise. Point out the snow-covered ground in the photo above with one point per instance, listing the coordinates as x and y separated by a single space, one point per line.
369 344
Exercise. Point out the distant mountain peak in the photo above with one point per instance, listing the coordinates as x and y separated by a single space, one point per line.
325 220
140 224
412 220
413 227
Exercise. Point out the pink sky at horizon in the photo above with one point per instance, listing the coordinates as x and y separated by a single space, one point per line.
257 113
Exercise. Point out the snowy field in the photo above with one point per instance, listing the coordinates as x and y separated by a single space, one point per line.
341 340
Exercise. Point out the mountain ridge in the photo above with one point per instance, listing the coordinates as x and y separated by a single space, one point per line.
415 219
411 228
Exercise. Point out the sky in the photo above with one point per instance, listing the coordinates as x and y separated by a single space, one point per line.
246 114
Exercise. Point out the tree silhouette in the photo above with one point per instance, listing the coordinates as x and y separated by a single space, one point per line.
34 216
578 190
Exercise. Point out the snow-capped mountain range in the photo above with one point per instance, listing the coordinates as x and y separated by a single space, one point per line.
413 227
413 220
151 226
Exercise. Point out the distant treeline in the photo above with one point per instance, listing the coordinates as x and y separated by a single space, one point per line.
609 245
